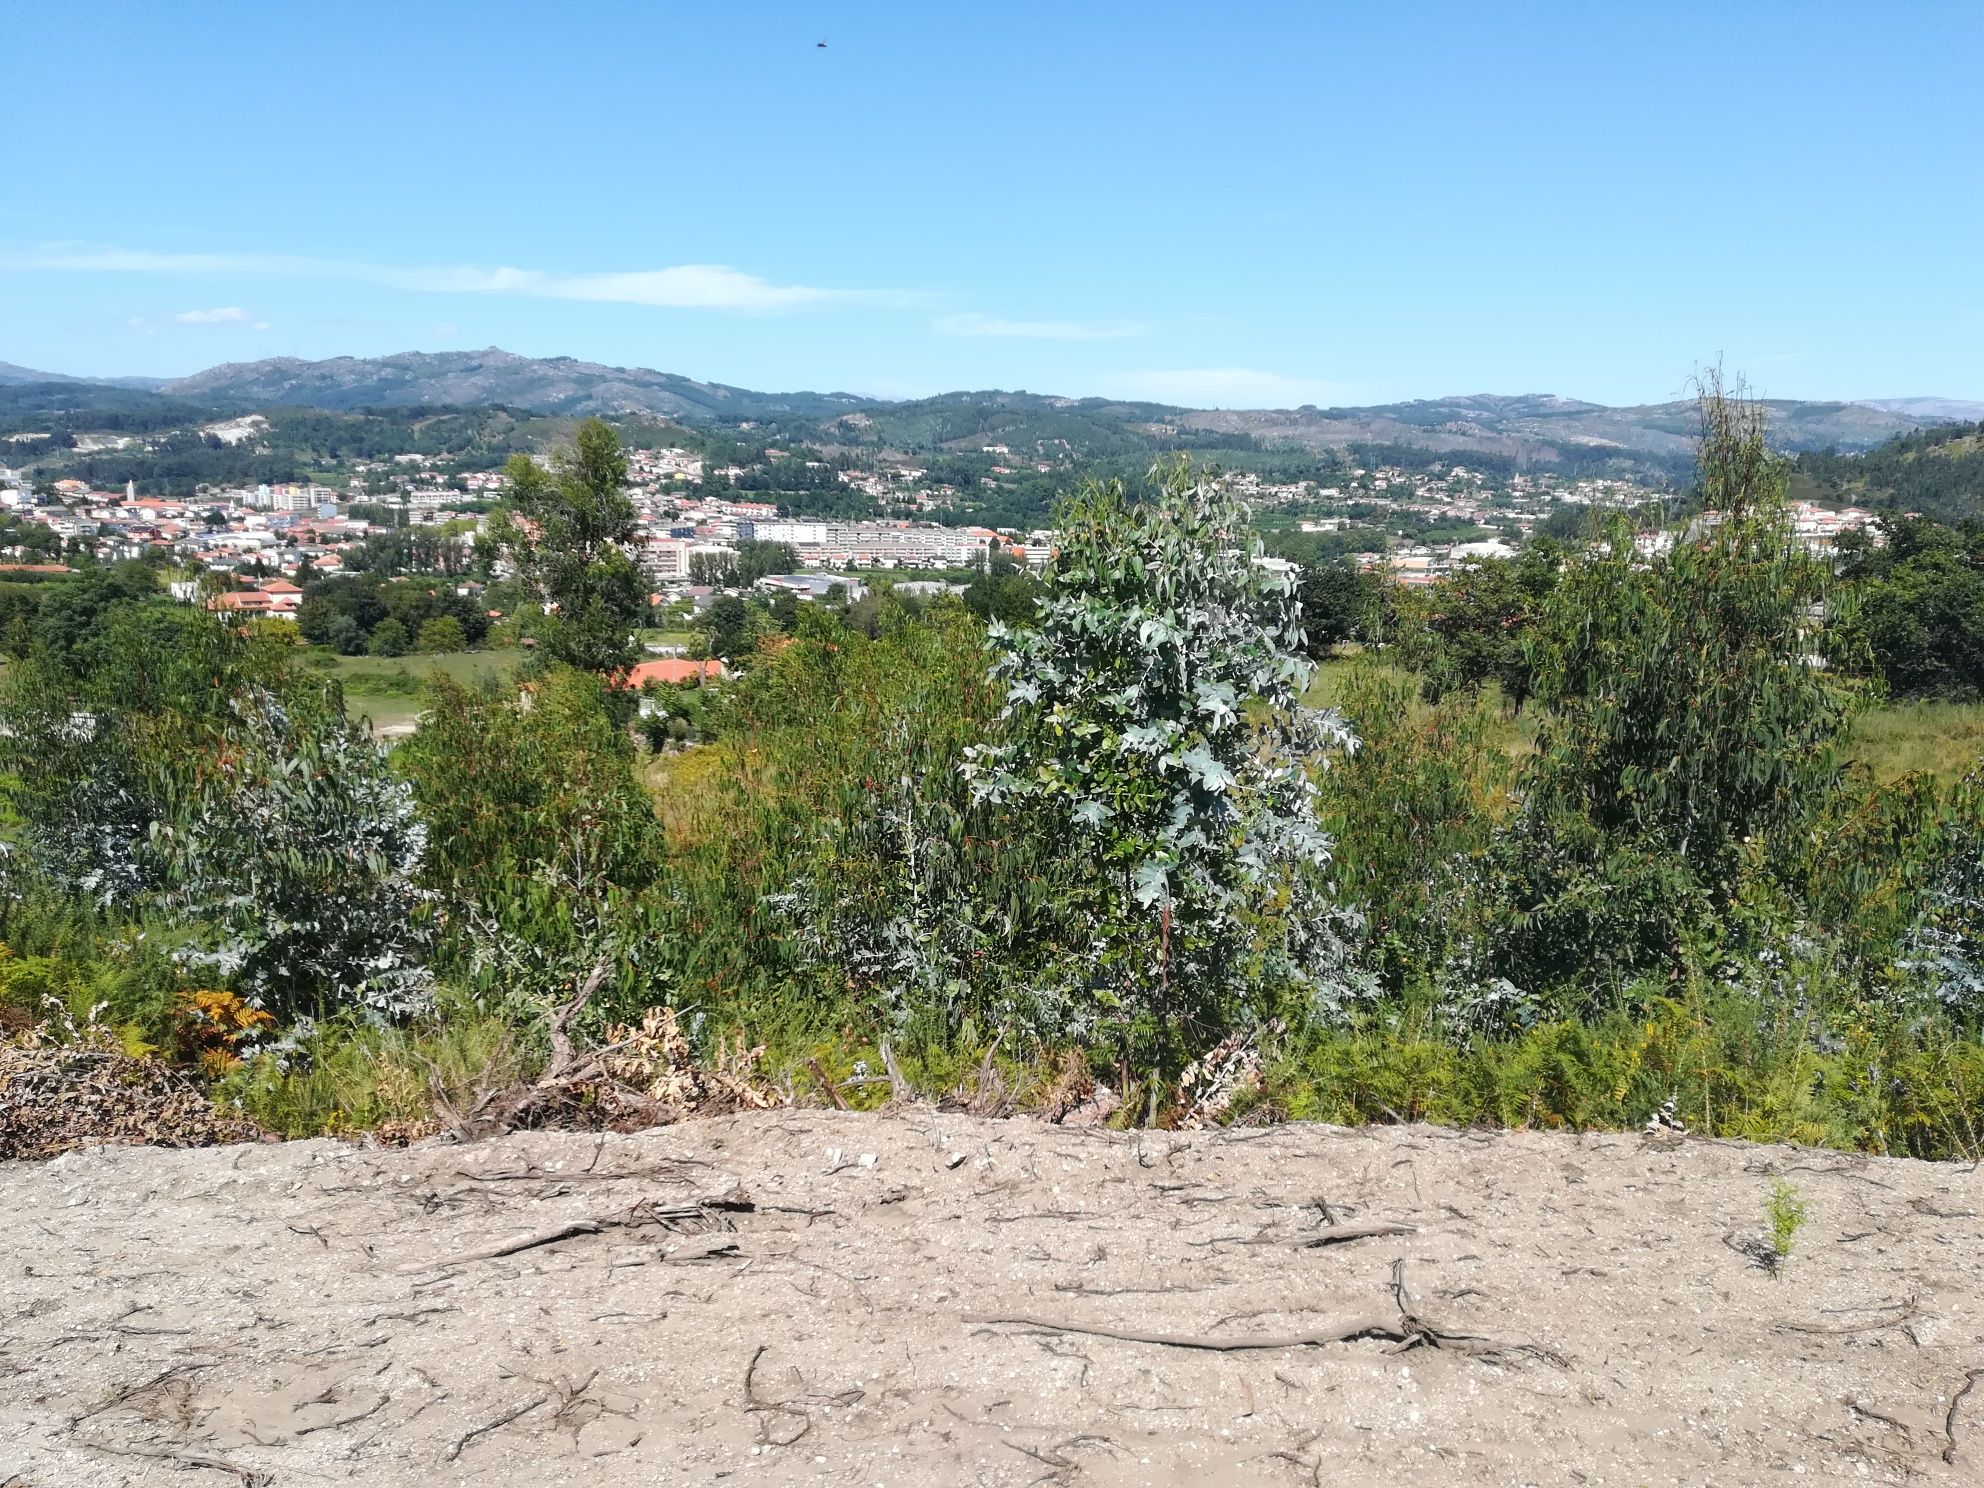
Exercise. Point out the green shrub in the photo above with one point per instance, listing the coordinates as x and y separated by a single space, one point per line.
1784 1216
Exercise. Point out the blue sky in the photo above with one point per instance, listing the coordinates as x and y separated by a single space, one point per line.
1239 204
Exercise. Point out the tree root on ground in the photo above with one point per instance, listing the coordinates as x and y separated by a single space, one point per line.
1403 1328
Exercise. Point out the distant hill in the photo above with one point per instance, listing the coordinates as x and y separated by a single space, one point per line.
1544 429
1540 430
1530 430
1956 410
11 375
91 405
464 379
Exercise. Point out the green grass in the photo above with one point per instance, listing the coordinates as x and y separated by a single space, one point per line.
386 690
1941 739
1944 739
1514 737
683 638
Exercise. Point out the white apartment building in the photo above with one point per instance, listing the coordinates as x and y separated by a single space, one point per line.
876 544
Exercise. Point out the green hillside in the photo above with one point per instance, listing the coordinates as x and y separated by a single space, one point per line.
1937 472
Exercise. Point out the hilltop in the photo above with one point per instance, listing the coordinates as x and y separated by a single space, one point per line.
469 378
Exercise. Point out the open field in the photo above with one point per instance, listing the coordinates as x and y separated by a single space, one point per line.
1945 739
386 690
931 1299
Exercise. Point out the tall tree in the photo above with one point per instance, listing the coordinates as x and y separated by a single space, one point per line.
1339 602
569 544
1921 610
1689 721
1475 627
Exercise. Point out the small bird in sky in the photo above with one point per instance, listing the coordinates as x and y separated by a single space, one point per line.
821 45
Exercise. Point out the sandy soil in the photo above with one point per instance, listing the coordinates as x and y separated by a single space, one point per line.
309 1313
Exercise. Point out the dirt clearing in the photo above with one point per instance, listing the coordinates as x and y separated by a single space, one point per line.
804 1297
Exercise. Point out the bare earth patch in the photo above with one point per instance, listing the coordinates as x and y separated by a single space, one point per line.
794 1297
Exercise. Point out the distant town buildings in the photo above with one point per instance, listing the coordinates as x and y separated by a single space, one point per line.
1417 525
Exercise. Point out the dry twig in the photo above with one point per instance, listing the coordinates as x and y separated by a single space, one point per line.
494 1425
248 1477
768 1411
1359 1229
507 1247
1949 1421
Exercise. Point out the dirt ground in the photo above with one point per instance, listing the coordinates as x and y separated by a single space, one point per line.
316 1313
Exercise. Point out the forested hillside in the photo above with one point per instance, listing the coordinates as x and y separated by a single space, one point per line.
1937 472
542 384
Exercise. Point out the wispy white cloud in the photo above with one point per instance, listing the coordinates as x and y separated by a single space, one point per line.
229 315
680 287
973 324
1226 387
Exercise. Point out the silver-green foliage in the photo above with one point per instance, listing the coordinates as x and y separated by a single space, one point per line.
1943 948
296 859
184 770
1153 725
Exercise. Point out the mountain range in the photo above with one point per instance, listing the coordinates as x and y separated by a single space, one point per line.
1536 428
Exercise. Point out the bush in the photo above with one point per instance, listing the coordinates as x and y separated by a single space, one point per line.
543 849
1155 740
443 633
1414 811
389 638
191 772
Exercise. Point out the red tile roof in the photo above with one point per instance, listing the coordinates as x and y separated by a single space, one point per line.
672 669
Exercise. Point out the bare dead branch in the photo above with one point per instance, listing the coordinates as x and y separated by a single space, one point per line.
507 1247
826 1083
769 1412
1403 1328
494 1425
1361 1229
562 1056
248 1477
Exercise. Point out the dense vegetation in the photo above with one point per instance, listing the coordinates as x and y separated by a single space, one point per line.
1090 825
1938 473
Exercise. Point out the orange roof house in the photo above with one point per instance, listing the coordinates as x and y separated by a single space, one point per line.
672 669
251 600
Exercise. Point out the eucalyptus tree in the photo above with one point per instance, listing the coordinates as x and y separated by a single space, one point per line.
1154 730
571 549
1689 723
